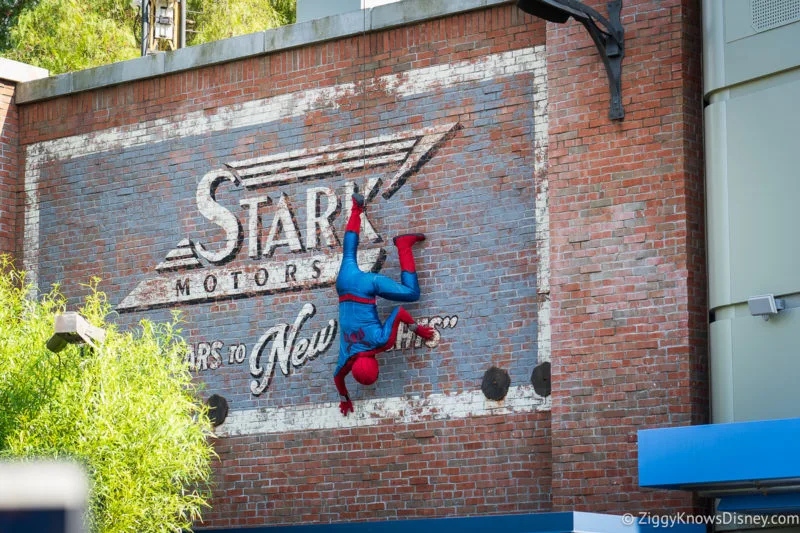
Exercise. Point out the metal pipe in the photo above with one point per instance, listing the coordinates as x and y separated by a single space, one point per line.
182 34
145 25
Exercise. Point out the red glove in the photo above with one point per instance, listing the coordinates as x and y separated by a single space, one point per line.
345 406
426 332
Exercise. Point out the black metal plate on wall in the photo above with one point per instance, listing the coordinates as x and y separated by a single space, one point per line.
495 383
217 409
540 379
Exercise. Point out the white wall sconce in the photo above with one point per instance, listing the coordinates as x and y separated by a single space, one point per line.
765 305
72 328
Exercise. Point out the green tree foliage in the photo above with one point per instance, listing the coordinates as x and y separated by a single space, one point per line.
9 12
128 411
220 19
68 35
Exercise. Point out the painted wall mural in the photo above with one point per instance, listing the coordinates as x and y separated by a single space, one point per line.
235 216
407 151
194 272
285 347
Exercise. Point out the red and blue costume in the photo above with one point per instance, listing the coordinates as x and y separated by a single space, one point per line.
362 333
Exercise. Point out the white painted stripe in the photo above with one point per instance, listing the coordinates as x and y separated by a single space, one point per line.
542 212
397 410
404 84
178 264
327 158
30 234
181 253
330 149
263 180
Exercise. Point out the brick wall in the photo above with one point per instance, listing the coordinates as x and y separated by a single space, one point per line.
116 172
488 465
628 284
9 131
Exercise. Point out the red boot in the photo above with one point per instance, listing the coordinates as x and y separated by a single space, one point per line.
354 223
404 244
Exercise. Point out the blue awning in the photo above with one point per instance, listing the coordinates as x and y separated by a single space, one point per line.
761 503
722 458
569 522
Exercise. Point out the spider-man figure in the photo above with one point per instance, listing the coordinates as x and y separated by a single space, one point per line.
362 333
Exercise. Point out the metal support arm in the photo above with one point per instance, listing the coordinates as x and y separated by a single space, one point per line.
611 46
607 34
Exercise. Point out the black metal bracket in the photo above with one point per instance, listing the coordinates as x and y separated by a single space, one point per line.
611 45
607 34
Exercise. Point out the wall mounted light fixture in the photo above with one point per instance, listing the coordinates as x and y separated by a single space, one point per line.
607 34
72 328
765 305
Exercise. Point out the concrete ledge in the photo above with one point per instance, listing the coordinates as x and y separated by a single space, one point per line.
20 72
213 53
401 13
283 38
318 31
143 67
